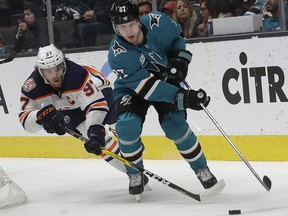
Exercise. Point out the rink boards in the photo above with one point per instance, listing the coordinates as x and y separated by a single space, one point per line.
254 148
247 83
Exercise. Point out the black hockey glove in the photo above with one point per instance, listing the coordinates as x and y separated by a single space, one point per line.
51 119
191 99
178 69
96 134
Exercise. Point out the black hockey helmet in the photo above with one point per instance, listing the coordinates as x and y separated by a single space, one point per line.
123 11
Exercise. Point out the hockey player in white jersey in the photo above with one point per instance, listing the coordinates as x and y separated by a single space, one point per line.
61 92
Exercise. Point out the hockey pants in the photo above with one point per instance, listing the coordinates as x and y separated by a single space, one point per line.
129 129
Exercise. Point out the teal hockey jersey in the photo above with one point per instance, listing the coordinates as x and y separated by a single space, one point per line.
141 69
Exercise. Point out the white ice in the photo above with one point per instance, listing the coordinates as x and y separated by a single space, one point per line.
90 187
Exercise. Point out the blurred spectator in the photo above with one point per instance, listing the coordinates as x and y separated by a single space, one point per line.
159 5
168 8
240 7
256 8
185 15
212 9
95 20
34 28
3 48
64 13
219 8
9 8
66 17
5 13
273 23
201 30
144 7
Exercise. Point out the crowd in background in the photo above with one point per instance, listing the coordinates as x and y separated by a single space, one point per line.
86 23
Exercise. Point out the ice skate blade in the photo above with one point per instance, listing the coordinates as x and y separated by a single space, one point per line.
138 197
147 187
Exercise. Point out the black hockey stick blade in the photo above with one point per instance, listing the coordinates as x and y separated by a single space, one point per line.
209 193
16 49
267 182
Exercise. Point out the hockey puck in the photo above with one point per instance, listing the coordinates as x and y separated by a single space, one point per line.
234 212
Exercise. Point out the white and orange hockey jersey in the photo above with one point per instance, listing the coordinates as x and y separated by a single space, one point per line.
85 96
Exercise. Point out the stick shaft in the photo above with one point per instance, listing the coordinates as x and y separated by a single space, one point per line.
267 183
140 169
234 147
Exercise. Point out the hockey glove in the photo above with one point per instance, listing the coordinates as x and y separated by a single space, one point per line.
178 69
191 99
51 119
96 134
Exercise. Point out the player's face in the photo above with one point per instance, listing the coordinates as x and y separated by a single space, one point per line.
130 31
54 75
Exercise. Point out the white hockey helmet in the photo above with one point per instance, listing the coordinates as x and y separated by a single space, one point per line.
49 57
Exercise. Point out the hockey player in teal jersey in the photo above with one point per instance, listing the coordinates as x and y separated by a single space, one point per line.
149 58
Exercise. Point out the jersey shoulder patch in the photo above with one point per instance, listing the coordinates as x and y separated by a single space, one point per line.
35 87
154 20
29 85
117 48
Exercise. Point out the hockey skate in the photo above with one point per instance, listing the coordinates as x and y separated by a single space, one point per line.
206 178
137 183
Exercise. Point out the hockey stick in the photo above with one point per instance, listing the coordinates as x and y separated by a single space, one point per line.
266 182
211 192
16 49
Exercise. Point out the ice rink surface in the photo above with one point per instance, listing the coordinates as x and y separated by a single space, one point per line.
90 187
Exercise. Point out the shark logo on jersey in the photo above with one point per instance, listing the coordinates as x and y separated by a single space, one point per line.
154 20
155 56
118 49
120 73
152 62
158 67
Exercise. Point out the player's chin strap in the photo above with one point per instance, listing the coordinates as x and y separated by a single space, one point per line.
211 192
266 182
